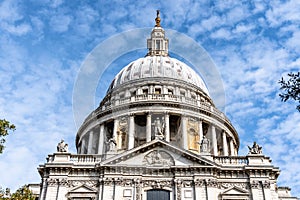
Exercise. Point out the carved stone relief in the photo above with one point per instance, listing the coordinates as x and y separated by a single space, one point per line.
157 184
193 134
52 182
254 185
240 185
122 133
199 182
158 158
89 183
212 183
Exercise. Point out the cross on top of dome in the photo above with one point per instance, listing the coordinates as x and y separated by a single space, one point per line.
158 45
157 19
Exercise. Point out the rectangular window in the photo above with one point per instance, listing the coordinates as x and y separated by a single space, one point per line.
157 44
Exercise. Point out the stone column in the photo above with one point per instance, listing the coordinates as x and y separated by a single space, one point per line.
225 146
184 131
83 143
214 140
167 127
90 144
116 126
148 128
231 147
200 131
101 139
131 132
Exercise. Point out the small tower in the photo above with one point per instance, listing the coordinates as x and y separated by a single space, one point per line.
157 45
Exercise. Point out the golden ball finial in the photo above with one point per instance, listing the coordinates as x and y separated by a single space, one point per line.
157 19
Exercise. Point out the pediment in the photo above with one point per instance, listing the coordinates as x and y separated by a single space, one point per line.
234 192
83 189
157 153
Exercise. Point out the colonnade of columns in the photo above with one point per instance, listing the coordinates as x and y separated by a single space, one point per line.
227 143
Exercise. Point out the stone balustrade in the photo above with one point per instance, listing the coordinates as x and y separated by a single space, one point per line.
231 160
77 158
74 158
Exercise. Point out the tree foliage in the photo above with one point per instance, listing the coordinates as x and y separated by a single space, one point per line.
5 127
291 88
22 193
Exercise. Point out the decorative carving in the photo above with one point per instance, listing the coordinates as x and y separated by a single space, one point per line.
159 158
63 182
212 183
199 182
108 181
254 185
178 188
52 182
127 183
138 188
90 183
62 147
228 185
266 184
255 149
157 184
118 181
187 183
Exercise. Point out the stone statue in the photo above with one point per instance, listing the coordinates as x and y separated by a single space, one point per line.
62 147
158 128
205 145
111 145
255 149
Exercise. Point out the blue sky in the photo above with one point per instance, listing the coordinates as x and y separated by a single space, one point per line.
44 43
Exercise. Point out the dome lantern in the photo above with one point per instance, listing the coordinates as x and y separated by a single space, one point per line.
158 44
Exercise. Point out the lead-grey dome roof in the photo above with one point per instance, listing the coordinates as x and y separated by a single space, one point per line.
161 67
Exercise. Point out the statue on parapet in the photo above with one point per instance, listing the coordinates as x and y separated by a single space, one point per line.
159 128
62 147
255 149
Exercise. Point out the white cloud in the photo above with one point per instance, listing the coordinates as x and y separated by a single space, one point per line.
60 23
222 33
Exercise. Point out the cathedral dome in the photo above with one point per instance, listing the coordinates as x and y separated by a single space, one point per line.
158 67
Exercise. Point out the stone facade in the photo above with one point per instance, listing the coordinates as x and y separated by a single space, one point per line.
158 135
